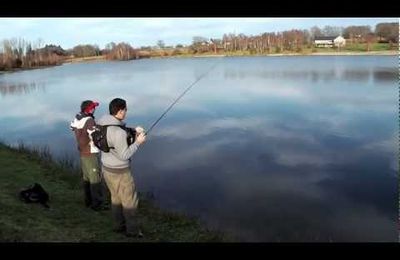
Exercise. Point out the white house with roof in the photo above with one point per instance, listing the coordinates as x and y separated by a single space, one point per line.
329 41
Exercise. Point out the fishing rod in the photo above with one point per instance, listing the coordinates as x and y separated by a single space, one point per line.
179 97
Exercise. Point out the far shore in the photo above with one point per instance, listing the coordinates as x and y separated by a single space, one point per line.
85 59
347 53
23 69
208 55
344 53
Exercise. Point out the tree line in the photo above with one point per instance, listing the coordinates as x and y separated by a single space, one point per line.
295 40
18 53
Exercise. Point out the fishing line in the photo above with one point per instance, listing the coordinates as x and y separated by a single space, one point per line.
179 97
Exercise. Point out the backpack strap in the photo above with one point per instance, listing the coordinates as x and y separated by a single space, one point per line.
121 126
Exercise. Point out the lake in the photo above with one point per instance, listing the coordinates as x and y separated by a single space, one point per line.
263 148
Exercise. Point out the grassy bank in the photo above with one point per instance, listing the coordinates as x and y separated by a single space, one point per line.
85 59
68 220
24 69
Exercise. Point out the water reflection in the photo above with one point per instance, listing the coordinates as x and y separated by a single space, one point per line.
278 184
357 75
386 74
361 76
22 88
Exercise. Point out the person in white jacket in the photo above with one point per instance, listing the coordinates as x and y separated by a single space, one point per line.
83 125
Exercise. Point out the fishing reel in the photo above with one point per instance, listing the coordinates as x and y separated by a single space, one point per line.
131 135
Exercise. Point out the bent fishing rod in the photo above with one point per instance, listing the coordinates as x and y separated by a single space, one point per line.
179 97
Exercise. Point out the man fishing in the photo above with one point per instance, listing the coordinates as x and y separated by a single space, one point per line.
117 171
116 153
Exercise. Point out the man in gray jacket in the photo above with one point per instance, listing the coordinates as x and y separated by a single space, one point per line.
117 171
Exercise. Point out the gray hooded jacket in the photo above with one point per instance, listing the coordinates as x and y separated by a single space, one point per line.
119 157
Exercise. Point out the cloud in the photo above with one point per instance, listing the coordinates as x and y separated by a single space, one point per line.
386 146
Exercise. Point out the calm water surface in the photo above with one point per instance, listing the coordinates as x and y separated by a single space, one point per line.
263 148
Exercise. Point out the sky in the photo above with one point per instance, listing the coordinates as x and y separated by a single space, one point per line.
69 32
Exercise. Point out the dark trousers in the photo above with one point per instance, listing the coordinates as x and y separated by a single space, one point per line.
93 190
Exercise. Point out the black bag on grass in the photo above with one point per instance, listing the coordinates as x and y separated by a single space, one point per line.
35 194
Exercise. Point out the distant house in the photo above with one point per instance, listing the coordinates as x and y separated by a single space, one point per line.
329 41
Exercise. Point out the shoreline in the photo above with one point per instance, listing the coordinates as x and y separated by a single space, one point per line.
370 53
103 59
84 59
24 69
22 166
344 53
347 53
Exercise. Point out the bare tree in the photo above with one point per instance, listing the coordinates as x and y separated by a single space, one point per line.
356 33
388 32
316 32
122 51
18 53
332 31
160 44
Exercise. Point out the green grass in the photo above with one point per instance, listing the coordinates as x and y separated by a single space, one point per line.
363 47
68 220
381 47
